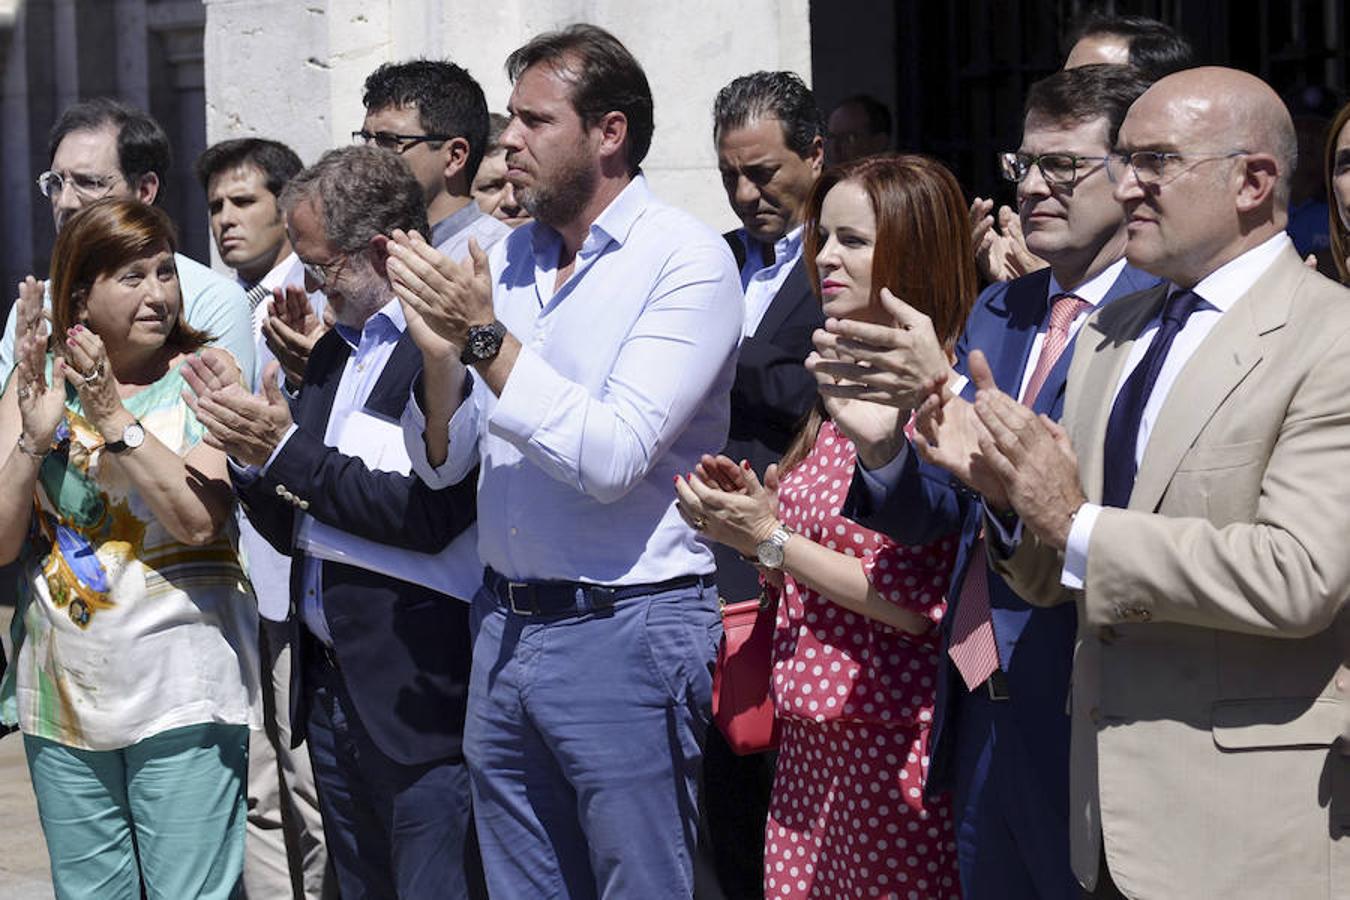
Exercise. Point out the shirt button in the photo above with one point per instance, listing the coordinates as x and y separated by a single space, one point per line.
514 532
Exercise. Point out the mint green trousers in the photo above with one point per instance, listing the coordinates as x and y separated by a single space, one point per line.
166 813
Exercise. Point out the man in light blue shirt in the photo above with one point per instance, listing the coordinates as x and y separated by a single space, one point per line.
602 346
105 148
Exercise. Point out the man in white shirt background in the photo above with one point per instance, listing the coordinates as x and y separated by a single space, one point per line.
285 852
602 345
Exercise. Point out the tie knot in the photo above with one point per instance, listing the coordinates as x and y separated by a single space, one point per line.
1179 307
1064 310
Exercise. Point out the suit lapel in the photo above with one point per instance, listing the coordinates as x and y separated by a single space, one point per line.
316 398
1130 281
795 289
1219 365
1024 305
390 394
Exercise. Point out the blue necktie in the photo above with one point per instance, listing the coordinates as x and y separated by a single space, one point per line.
1122 429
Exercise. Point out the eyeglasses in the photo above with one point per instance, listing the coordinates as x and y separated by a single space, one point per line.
399 143
1055 168
318 272
87 187
1152 166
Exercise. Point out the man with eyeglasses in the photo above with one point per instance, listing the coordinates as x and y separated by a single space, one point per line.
381 564
105 148
1001 733
433 114
1194 508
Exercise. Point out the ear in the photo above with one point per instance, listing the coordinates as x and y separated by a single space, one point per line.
613 130
147 188
815 155
378 250
456 157
1260 172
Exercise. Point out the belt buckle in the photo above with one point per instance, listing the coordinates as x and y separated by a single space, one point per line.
996 685
511 598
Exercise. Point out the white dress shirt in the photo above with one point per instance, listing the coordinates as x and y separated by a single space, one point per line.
1220 290
622 382
762 282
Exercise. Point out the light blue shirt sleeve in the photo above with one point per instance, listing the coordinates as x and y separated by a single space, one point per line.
216 305
463 428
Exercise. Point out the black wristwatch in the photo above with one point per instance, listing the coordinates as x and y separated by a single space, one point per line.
483 343
132 437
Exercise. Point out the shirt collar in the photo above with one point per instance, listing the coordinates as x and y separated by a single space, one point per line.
275 278
615 223
1222 287
388 322
786 249
454 223
1093 291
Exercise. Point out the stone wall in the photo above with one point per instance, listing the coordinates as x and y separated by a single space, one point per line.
292 69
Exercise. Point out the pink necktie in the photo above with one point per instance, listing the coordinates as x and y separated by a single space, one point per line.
973 649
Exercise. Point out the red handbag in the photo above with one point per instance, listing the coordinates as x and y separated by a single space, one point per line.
742 703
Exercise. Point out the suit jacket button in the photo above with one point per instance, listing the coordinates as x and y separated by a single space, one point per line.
303 504
281 490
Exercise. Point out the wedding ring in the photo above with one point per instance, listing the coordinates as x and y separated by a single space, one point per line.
95 376
700 523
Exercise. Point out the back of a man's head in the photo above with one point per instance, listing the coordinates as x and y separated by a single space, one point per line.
142 145
362 192
769 95
1073 96
605 78
1155 49
277 162
447 98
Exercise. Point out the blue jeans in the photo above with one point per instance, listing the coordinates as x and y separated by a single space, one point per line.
584 742
166 813
392 830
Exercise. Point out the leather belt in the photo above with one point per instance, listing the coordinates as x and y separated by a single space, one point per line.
566 599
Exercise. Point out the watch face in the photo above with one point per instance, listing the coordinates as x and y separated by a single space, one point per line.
481 343
133 435
770 554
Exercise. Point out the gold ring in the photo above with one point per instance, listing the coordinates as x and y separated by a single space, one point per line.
700 523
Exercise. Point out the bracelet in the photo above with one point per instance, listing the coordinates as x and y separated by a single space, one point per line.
23 448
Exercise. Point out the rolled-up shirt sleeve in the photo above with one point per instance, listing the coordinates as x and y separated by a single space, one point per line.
678 347
463 432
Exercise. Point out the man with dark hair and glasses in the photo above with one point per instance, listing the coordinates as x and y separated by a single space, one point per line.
104 148
433 114
1000 739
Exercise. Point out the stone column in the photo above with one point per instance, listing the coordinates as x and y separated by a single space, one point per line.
293 71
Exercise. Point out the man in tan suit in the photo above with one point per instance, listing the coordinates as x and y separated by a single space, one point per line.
1212 584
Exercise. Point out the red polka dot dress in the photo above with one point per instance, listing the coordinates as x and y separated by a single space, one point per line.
854 699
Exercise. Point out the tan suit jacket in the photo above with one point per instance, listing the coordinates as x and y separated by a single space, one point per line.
1214 617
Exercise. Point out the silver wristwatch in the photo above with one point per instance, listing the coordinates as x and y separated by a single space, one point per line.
132 437
770 550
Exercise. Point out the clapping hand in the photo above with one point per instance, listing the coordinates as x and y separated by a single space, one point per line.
246 426
441 298
1000 253
291 330
740 517
1031 457
947 434
87 368
42 405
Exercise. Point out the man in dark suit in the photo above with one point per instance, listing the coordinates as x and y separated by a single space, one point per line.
380 562
1001 731
770 151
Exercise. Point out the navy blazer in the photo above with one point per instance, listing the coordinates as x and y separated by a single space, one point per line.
1035 644
770 397
403 650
